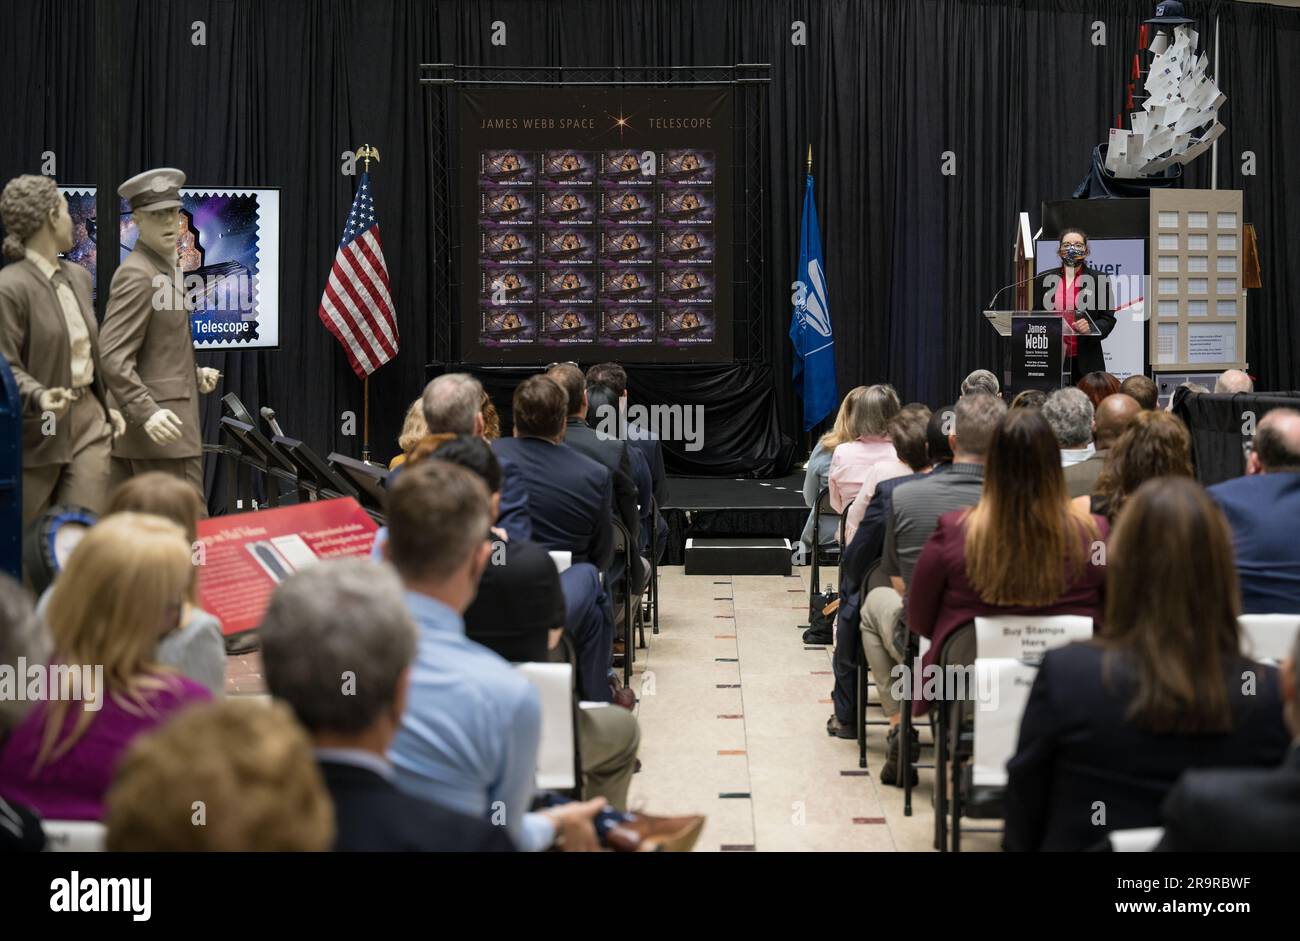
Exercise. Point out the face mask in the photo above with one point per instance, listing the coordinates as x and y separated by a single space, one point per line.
1074 254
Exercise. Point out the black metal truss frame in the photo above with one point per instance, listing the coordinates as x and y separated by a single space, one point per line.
751 216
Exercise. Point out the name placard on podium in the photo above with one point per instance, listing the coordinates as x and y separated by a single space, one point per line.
1036 353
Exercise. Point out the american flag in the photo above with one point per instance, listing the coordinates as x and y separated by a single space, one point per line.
356 306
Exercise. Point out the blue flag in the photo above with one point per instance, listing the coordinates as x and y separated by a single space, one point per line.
810 327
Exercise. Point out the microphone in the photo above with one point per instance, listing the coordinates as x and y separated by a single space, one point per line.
268 413
1013 284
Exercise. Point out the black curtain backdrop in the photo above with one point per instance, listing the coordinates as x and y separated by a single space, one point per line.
1014 89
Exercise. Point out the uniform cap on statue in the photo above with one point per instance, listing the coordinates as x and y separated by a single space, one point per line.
153 189
1170 12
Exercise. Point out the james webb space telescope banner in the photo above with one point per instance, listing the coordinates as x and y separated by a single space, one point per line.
597 225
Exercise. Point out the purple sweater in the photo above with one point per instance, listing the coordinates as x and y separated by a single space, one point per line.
73 787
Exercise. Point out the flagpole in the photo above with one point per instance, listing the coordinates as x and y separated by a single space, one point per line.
366 153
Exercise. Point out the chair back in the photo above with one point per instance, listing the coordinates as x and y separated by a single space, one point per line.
555 754
1008 650
1268 638
74 836
1137 840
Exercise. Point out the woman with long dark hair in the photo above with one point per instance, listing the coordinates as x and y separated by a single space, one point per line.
1111 724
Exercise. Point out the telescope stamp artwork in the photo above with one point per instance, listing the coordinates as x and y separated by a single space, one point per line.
596 223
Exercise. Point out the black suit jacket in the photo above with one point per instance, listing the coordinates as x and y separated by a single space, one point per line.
1235 811
1090 356
569 498
653 453
613 453
372 815
1079 755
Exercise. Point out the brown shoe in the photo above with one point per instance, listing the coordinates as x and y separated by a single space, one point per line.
619 649
624 697
645 833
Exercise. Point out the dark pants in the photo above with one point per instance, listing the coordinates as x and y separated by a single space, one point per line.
589 622
848 646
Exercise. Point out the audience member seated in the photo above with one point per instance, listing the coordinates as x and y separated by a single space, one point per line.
22 640
907 433
614 377
472 725
1111 724
413 432
248 764
917 509
1143 389
862 552
1029 398
816 475
454 405
1263 509
344 622
1234 380
197 648
491 420
1241 811
987 560
853 460
1156 444
1184 390
520 612
1069 413
1097 386
602 404
612 453
570 496
124 587
1114 415
981 381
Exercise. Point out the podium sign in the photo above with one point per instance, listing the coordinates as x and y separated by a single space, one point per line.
1036 352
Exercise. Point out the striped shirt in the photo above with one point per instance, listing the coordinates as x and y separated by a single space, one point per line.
917 508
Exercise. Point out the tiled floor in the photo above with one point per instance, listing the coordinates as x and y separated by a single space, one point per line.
733 713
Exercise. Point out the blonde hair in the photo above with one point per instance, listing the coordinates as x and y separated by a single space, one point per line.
250 762
108 608
840 433
25 206
413 428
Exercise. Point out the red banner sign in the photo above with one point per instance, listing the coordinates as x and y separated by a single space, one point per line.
246 555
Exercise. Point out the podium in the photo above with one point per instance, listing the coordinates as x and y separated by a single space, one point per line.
1036 343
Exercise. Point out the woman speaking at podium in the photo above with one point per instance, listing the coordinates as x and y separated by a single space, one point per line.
1082 294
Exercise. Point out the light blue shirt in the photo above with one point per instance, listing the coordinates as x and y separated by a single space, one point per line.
470 733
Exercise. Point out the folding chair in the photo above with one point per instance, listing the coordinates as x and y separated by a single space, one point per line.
74 836
820 555
1268 637
911 655
958 651
652 593
559 764
979 777
631 603
875 578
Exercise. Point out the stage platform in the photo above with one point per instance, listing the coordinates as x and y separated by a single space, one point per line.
724 506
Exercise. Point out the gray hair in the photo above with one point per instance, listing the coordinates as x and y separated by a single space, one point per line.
335 639
451 404
1234 380
981 380
22 634
1069 411
977 417
873 411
